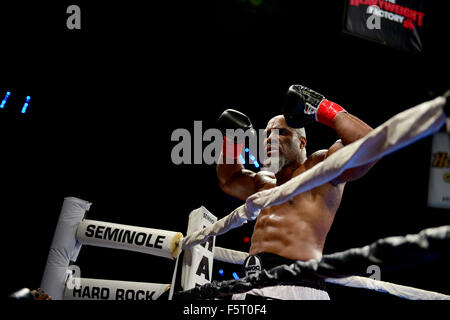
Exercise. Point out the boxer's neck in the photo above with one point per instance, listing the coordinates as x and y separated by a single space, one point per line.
286 172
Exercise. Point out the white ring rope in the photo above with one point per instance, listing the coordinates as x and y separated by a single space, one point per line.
387 287
230 256
399 131
235 219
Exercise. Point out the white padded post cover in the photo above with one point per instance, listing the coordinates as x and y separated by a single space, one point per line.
64 247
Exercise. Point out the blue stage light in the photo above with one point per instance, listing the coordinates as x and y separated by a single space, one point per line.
252 158
2 105
235 275
25 106
221 272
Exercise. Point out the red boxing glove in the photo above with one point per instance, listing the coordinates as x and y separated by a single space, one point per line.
327 111
233 119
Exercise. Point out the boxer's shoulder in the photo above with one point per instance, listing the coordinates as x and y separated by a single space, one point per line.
315 158
265 180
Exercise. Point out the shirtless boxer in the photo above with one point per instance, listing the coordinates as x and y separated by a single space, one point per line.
296 229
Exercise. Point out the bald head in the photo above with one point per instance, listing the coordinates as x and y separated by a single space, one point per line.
280 121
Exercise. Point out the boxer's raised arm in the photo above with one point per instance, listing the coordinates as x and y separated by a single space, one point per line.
349 128
234 179
304 105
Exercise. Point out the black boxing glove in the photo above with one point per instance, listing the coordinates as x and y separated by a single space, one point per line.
233 119
303 106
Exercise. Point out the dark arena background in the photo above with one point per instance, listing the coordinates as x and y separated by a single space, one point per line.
105 99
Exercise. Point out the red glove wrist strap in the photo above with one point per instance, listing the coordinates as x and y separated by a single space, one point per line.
327 111
231 150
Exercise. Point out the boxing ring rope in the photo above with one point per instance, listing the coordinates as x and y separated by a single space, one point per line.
230 256
387 287
399 131
238 257
388 253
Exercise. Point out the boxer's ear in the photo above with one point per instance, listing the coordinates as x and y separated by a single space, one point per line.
302 142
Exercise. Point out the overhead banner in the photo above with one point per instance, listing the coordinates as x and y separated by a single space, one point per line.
439 184
396 23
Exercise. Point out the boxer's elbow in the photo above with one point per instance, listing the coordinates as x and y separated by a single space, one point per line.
357 135
224 175
230 189
365 131
353 174
350 128
239 184
226 188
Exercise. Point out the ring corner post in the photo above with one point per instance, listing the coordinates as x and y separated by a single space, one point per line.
198 260
64 247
